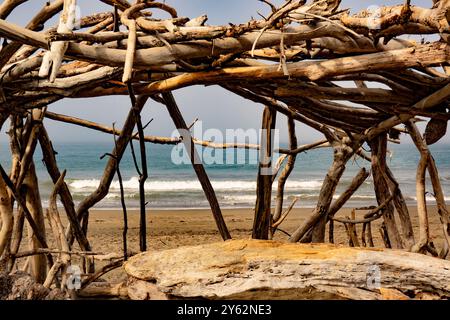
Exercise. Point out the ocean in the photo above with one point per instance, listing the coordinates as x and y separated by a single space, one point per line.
172 185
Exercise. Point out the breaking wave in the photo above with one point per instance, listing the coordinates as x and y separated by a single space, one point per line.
190 185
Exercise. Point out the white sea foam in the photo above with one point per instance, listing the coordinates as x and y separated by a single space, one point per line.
239 198
236 191
431 198
190 185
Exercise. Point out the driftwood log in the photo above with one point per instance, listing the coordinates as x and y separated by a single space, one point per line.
357 79
253 269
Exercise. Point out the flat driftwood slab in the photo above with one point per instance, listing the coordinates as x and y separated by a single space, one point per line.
251 269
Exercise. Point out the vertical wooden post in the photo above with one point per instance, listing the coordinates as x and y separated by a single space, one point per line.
181 125
33 202
441 205
143 174
331 232
261 223
15 131
379 149
427 161
6 216
369 235
402 210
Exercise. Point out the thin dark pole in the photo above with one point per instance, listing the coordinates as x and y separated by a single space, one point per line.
142 175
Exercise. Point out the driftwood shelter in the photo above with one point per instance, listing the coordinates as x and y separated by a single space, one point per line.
312 61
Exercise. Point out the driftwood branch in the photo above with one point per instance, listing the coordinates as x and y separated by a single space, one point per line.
143 175
58 232
287 170
181 125
262 221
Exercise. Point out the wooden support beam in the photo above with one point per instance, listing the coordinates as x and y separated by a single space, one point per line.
427 162
379 149
262 221
6 215
402 210
181 125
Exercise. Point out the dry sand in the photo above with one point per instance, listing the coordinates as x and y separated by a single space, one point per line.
172 229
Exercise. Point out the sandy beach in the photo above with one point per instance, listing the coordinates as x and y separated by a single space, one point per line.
176 228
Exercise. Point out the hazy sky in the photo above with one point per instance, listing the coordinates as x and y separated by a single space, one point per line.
214 106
